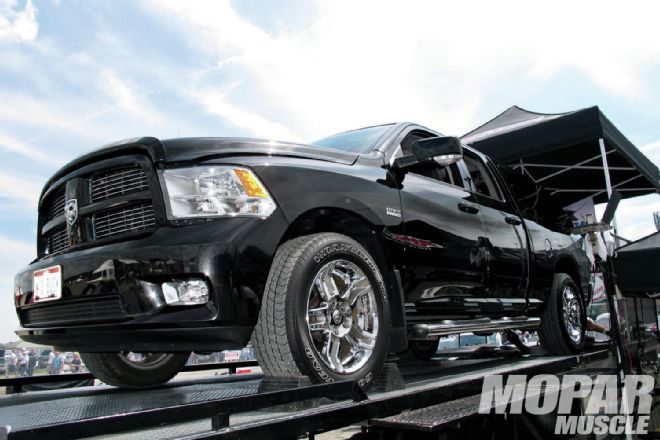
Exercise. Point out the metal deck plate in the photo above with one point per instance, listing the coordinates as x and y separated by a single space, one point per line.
433 379
108 401
436 417
433 417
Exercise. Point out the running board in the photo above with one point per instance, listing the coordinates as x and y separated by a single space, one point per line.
451 327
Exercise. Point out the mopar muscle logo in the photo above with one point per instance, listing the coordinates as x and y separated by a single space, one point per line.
605 411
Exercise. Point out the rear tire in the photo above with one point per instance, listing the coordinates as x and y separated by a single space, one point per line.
563 321
325 312
116 369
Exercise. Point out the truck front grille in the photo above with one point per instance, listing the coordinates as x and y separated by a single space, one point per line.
74 311
123 220
114 199
56 204
58 239
117 182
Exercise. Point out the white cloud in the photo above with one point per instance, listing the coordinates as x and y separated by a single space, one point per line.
127 99
652 149
217 104
433 62
18 24
50 116
15 146
635 216
20 189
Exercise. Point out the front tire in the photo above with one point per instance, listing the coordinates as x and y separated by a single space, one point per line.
325 312
126 370
563 321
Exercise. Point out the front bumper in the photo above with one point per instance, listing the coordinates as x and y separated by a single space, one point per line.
112 296
113 338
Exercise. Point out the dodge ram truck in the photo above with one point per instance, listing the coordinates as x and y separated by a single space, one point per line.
325 256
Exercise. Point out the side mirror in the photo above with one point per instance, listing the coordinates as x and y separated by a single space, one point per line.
444 150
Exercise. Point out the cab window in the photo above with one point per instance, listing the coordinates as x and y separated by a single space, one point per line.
448 174
482 181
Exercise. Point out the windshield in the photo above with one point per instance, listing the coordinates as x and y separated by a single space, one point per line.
355 141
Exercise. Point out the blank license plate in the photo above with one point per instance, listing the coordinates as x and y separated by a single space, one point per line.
47 284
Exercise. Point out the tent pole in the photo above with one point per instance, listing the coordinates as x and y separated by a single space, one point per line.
606 168
613 301
608 183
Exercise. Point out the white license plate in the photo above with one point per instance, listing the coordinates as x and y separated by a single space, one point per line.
47 284
232 356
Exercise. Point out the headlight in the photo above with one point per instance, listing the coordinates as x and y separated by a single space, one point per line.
215 191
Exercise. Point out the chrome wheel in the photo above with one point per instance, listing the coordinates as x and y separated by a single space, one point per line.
342 316
571 314
146 360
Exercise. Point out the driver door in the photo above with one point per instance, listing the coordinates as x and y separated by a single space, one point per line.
442 233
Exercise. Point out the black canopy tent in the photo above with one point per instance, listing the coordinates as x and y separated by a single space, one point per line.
636 267
567 153
573 156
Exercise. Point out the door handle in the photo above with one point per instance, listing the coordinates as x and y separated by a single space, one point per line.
469 208
515 221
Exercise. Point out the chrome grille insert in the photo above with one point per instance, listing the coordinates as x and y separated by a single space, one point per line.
56 206
117 182
58 239
123 220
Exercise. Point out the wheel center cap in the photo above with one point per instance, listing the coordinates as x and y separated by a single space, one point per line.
341 319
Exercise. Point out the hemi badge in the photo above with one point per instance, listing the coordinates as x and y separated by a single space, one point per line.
393 212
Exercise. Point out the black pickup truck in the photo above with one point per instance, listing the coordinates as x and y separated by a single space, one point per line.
326 256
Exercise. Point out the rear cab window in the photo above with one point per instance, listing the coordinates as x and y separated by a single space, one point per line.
483 181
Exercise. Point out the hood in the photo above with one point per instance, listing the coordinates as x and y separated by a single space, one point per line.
190 150
187 149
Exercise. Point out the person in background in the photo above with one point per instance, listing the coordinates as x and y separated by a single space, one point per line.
23 360
595 327
58 364
51 356
76 363
32 362
11 360
65 360
525 337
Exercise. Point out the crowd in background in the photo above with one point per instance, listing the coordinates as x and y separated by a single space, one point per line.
24 362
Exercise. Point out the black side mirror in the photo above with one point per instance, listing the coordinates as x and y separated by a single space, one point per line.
444 150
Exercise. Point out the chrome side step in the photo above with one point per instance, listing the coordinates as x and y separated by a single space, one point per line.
451 327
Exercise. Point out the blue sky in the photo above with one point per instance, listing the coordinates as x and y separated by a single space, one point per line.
78 74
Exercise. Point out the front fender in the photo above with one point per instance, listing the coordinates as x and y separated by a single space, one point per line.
301 185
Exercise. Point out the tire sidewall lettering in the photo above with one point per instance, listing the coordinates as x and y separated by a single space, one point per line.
351 249
316 365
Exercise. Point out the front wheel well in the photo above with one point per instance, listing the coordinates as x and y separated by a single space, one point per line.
568 266
370 236
341 222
